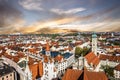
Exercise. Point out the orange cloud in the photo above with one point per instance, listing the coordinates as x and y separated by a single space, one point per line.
40 25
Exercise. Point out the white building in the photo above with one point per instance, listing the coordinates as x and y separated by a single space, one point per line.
112 61
28 73
92 62
48 71
102 38
117 72
79 63
55 67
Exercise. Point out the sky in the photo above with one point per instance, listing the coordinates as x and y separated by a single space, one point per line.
57 16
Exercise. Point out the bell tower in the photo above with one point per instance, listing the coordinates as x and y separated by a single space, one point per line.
94 43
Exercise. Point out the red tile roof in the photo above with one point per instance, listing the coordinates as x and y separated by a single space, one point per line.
58 58
72 74
32 50
15 59
34 70
96 61
46 59
83 75
117 67
31 61
92 58
94 76
40 68
20 54
47 47
110 58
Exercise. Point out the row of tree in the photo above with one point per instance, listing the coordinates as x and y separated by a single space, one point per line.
81 51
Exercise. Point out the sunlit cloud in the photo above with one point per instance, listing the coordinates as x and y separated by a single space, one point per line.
11 19
39 25
70 11
47 16
31 4
96 26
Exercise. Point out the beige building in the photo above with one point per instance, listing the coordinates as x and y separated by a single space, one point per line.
9 76
7 72
117 72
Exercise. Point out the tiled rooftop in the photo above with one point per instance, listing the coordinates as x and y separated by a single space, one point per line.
117 67
110 58
83 75
92 58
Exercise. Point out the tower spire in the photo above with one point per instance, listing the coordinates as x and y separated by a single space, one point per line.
94 43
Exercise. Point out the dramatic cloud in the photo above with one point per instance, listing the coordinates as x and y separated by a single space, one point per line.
10 17
7 13
46 24
31 4
53 30
49 16
70 11
101 26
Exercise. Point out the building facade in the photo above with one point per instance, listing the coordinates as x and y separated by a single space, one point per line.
117 72
7 72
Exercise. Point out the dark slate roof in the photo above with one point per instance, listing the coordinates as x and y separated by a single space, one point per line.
54 54
5 69
22 64
67 55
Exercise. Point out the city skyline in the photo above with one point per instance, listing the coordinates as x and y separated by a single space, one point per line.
52 16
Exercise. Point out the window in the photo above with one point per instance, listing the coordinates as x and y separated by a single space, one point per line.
46 67
10 74
3 78
6 76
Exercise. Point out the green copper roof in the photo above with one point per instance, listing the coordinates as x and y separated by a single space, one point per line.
94 35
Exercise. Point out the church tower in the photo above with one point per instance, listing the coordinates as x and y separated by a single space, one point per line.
27 70
47 49
94 43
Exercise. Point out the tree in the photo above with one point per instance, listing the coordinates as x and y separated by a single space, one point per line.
85 51
108 70
78 51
